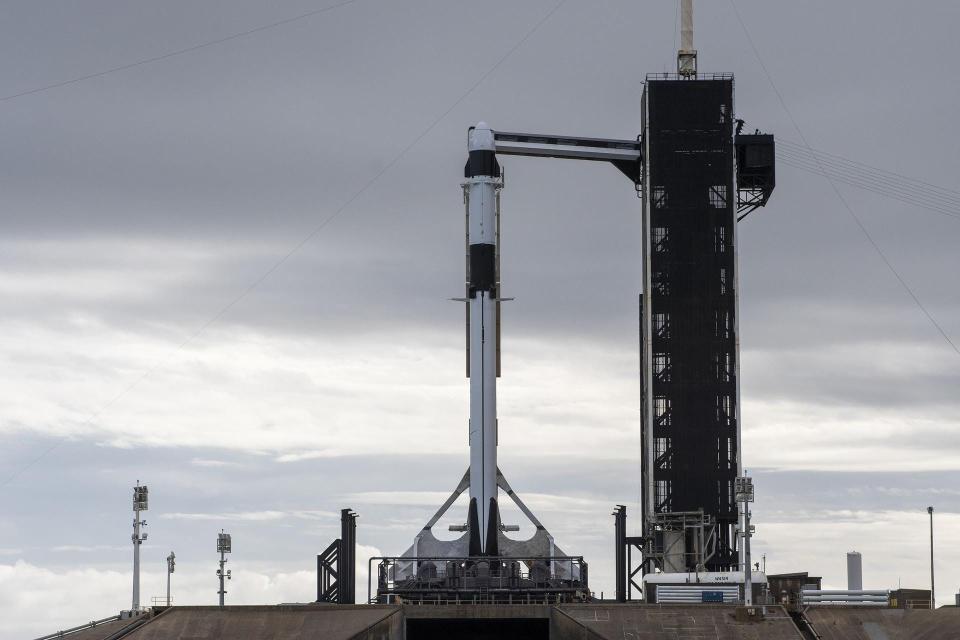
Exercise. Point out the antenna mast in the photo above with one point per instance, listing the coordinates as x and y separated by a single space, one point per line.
687 56
224 546
139 504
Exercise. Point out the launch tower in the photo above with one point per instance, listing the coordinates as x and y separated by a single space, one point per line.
697 176
691 434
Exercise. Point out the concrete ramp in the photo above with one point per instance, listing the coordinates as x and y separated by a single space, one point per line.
284 622
666 622
848 623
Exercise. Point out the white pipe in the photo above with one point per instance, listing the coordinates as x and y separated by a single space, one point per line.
686 25
136 560
747 583
222 574
879 605
845 592
844 598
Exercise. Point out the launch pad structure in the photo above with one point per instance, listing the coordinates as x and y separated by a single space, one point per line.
695 173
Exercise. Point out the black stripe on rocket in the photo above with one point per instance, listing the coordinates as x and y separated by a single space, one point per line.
483 257
482 162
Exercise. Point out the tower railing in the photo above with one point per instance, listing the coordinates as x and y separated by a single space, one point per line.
481 579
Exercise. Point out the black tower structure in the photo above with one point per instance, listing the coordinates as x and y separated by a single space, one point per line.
689 346
336 566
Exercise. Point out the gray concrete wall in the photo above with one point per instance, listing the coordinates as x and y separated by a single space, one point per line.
101 631
632 621
464 611
563 627
674 622
390 627
848 623
284 622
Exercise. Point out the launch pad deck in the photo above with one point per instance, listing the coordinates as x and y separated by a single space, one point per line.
592 621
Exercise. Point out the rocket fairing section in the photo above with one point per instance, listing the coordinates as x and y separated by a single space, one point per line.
482 173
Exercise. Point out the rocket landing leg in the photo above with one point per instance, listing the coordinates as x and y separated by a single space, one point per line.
426 545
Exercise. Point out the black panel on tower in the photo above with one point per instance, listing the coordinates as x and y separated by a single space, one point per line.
689 307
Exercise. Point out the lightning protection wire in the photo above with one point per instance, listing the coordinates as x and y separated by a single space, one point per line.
869 181
301 243
178 52
876 180
890 191
903 189
913 183
836 190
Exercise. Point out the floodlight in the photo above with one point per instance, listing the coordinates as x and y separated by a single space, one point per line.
140 494
743 488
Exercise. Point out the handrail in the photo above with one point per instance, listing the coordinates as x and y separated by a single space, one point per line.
88 625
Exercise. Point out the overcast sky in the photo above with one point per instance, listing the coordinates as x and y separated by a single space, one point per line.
172 310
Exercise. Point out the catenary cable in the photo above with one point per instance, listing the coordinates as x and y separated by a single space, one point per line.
173 54
853 182
952 211
837 191
871 168
874 180
300 244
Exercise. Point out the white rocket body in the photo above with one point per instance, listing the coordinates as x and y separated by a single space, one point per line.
486 537
482 300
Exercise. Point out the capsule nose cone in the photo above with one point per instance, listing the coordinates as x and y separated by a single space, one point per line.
481 137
